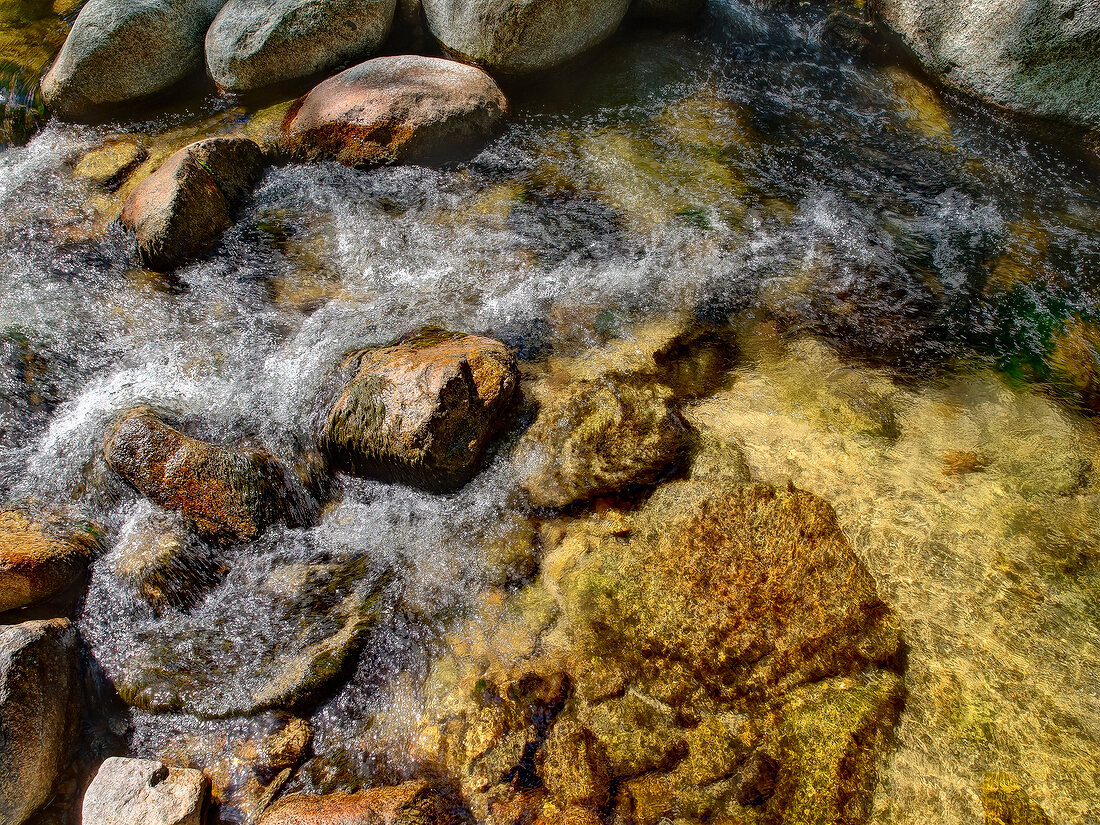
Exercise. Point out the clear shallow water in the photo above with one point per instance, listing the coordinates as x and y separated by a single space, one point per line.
743 174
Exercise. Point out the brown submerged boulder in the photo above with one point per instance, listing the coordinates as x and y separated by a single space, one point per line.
37 675
414 803
422 410
228 495
181 210
404 109
597 436
38 561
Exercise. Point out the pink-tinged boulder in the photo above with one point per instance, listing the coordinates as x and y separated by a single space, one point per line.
414 803
403 109
180 211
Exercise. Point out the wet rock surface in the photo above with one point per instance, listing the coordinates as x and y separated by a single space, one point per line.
141 791
599 436
519 40
413 803
39 560
397 109
1038 60
422 410
251 45
124 50
180 211
37 680
229 496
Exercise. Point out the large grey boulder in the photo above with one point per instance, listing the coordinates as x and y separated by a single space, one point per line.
522 38
255 43
37 674
145 792
123 50
1036 57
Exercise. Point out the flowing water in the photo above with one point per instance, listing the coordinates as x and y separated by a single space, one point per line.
914 289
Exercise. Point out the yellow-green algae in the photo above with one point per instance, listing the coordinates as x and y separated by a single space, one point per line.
991 571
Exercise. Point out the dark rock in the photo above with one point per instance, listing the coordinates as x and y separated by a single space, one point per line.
228 495
181 210
422 410
396 110
37 677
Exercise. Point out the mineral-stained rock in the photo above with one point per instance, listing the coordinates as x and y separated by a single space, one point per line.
598 436
144 792
254 44
1005 802
404 109
38 560
123 50
747 590
181 210
521 39
229 495
37 676
414 803
638 734
574 766
422 410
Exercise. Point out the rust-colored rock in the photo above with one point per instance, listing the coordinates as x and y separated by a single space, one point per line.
37 561
403 109
228 495
751 592
414 803
181 210
422 410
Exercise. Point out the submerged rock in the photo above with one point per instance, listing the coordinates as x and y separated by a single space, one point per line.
248 761
403 109
518 39
422 410
144 792
228 495
123 50
37 676
598 436
1035 59
164 563
413 803
252 44
1005 802
181 210
37 560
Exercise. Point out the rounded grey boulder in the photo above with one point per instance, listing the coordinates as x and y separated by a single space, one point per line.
507 37
37 672
1037 59
123 50
133 791
256 43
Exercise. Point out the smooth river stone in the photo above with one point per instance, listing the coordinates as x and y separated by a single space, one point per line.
256 43
397 110
36 561
145 792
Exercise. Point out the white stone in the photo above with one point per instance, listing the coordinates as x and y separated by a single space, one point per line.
144 792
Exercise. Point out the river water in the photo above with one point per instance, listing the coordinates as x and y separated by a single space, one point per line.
907 279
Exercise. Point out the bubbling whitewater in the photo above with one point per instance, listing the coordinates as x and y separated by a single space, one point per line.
902 295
